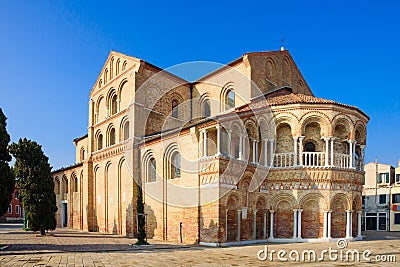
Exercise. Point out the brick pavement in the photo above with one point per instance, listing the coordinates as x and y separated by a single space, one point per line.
75 248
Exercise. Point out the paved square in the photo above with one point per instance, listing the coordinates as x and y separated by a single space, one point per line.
66 247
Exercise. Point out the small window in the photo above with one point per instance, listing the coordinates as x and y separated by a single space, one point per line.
309 147
17 194
100 142
383 178
207 108
82 154
153 171
396 198
382 199
175 108
112 137
398 178
363 201
9 209
126 130
114 105
176 162
397 218
16 209
230 99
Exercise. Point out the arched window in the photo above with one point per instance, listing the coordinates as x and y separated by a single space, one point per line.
206 108
57 186
126 130
153 170
82 154
230 99
176 165
75 184
99 142
112 137
114 105
309 147
175 108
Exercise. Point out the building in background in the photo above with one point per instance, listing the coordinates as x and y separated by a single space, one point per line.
378 192
15 211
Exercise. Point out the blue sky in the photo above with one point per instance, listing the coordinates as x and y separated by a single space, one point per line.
52 52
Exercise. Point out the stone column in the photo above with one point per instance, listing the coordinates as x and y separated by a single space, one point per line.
241 147
219 154
294 224
348 223
271 152
329 224
239 220
332 159
229 149
301 150
265 151
254 224
299 224
226 224
256 159
354 153
359 224
265 225
271 224
204 143
351 153
244 155
295 138
325 233
326 151
253 156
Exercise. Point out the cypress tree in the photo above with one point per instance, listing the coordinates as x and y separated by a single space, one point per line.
7 179
36 185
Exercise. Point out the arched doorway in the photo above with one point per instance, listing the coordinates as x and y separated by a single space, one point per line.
283 222
312 223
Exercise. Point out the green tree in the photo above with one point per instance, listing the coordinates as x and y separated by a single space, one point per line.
36 185
7 179
141 216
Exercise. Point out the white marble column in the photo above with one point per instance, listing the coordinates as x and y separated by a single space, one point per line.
239 220
326 150
244 147
295 138
218 154
253 156
332 158
265 151
226 224
359 213
348 223
271 152
329 229
299 224
265 225
294 224
240 147
350 153
229 143
255 224
271 224
325 233
301 138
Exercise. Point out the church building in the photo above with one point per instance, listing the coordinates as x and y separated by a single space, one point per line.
242 155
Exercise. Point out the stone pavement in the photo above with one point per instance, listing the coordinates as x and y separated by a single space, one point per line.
66 247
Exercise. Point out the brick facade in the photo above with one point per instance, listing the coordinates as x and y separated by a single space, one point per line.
239 171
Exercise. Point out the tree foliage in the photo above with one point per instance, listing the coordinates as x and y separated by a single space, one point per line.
141 236
36 185
7 179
